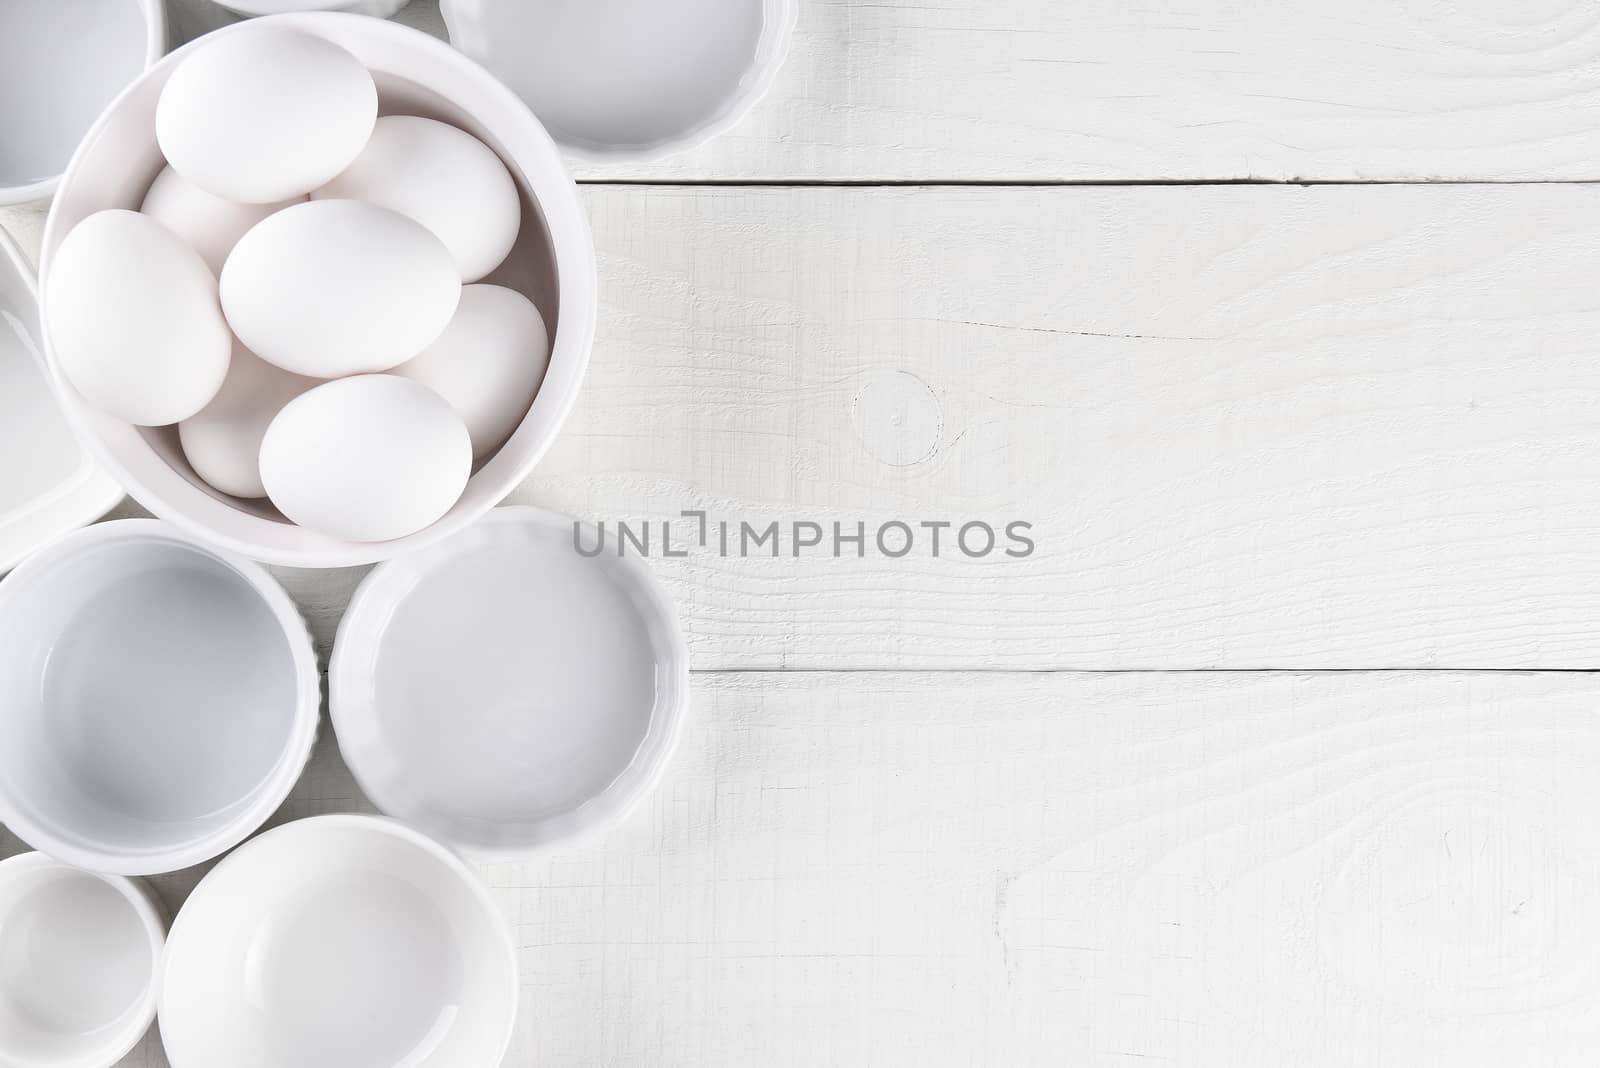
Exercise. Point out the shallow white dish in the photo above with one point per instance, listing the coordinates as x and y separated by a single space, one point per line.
377 8
339 942
61 62
501 691
59 488
161 699
552 264
629 79
78 960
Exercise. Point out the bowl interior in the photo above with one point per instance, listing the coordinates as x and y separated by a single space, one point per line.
628 76
61 62
149 692
338 942
501 690
77 964
415 75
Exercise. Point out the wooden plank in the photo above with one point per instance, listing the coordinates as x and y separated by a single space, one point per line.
1214 870
1251 426
1042 90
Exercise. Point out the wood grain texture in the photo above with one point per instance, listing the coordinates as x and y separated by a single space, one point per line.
1252 426
1040 90
1220 871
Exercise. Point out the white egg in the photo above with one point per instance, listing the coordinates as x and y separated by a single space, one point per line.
445 179
369 458
488 363
223 441
260 114
134 320
207 223
336 287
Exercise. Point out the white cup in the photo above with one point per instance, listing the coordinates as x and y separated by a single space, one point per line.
160 699
78 959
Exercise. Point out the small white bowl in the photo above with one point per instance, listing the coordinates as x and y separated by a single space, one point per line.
339 942
502 692
59 488
629 80
78 959
160 699
552 263
60 64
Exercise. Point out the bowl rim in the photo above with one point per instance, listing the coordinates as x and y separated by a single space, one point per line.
359 642
571 248
379 825
88 493
153 922
779 20
155 46
268 794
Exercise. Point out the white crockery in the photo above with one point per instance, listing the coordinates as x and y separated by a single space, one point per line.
61 62
552 264
59 488
339 942
502 691
161 699
79 955
629 79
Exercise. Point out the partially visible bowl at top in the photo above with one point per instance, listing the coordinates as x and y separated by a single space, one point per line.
61 61
629 80
552 264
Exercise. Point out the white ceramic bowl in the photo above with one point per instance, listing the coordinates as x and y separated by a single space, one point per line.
552 263
160 699
502 692
629 80
339 942
78 960
61 62
59 488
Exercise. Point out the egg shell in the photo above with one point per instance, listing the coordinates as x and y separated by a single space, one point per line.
207 223
134 320
445 179
263 114
369 458
488 363
335 287
223 441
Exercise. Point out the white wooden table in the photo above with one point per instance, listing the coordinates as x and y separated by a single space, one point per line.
1279 323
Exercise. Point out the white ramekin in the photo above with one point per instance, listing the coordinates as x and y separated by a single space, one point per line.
82 953
58 81
161 699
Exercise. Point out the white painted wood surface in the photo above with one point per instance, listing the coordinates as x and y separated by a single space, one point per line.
1111 90
1210 870
1254 427
1328 427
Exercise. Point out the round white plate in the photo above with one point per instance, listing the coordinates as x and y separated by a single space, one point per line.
628 79
61 62
502 691
339 942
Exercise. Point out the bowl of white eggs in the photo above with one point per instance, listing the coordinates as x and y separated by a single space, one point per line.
317 289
